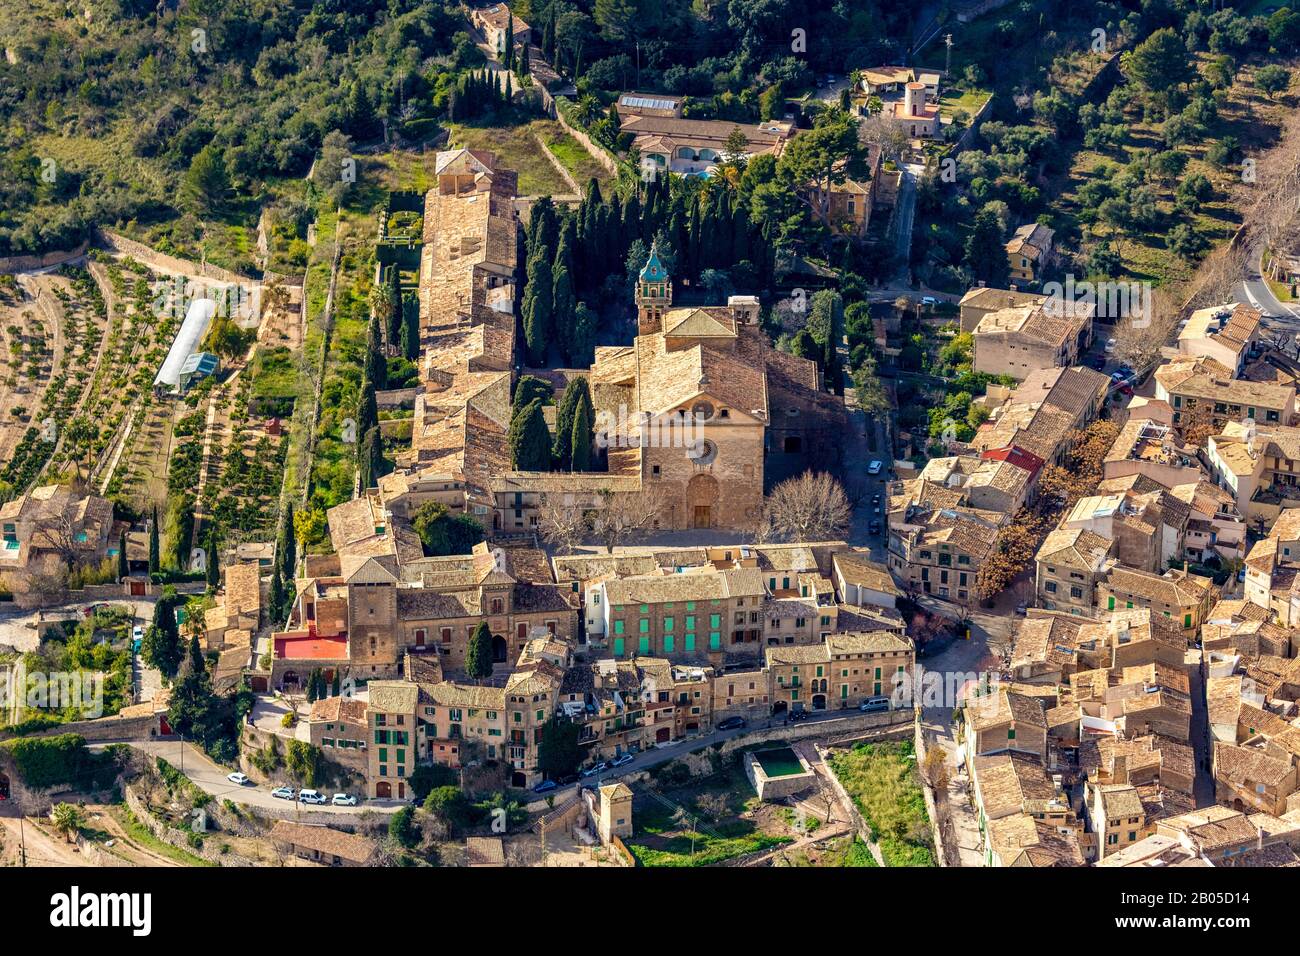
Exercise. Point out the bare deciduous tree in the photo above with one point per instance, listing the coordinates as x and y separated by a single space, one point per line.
563 521
811 507
626 515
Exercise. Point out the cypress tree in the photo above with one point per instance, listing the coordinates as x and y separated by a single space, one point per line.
530 441
583 343
527 389
376 367
693 248
564 424
276 609
410 335
123 568
538 307
510 41
478 653
563 302
367 408
580 441
153 542
213 568
373 464
395 297
287 548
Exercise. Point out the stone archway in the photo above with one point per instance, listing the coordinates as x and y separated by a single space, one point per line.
500 651
701 501
383 790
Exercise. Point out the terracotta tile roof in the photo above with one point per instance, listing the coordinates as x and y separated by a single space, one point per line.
348 709
323 839
1076 548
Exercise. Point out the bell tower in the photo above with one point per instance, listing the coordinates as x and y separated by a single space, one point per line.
654 294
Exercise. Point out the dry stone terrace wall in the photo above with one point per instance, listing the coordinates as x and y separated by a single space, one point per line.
30 263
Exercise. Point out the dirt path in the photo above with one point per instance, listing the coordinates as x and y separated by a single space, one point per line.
43 849
105 820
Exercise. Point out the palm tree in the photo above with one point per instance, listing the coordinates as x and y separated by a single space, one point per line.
67 819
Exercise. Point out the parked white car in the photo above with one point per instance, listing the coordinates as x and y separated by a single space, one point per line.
238 778
284 793
343 800
314 797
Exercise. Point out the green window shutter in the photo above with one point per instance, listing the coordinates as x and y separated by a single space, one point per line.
715 641
715 620
1011 734
844 691
690 605
668 643
644 626
1187 620
690 641
690 621
643 645
1110 603
618 627
618 647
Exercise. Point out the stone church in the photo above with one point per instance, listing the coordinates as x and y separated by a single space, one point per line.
708 373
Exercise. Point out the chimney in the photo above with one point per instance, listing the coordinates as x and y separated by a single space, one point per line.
1013 287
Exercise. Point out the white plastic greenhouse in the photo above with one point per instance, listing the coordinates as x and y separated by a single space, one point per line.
197 319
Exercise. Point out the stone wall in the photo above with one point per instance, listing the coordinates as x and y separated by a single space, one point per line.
103 729
29 263
90 594
116 242
598 152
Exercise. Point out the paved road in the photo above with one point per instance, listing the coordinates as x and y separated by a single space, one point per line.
1255 291
650 758
904 216
211 778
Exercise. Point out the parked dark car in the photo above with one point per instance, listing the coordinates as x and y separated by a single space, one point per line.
731 723
546 786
